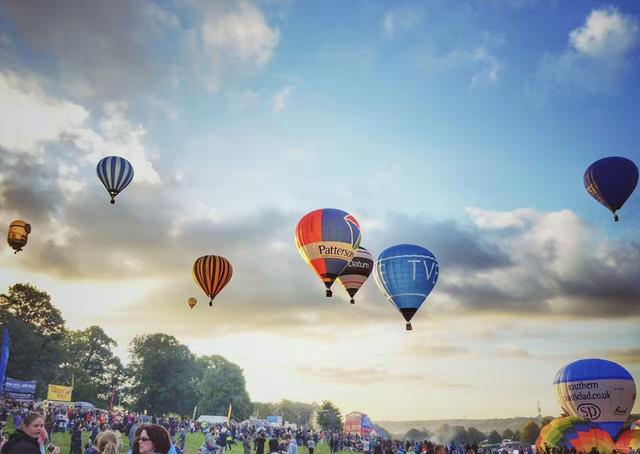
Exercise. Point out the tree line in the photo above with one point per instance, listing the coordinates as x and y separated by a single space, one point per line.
163 376
527 434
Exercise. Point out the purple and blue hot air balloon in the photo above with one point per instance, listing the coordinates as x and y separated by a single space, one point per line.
406 274
611 181
597 390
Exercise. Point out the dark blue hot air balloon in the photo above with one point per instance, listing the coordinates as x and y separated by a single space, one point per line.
115 173
406 274
611 181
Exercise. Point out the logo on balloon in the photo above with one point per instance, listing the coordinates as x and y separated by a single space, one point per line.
620 411
589 411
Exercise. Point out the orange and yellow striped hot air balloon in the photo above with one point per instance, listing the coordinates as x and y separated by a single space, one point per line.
212 273
192 302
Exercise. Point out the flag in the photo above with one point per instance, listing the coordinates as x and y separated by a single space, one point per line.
4 358
229 414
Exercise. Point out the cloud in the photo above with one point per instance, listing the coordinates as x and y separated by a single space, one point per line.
559 267
43 125
110 51
606 34
480 62
30 117
598 57
96 47
358 377
401 20
624 356
235 34
281 98
514 351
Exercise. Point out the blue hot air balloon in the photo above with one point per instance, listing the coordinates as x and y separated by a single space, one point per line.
115 173
611 181
597 390
406 274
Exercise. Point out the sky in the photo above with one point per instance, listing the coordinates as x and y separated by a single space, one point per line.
464 127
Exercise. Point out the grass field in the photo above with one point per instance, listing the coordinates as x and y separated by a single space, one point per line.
192 446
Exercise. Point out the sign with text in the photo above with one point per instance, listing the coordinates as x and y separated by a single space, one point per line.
59 393
19 390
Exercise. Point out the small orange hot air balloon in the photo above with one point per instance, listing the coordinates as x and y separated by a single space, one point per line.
18 235
212 273
192 302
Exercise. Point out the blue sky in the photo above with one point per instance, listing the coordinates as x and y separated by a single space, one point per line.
464 127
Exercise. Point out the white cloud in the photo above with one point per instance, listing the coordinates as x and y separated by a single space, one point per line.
401 20
242 34
598 57
32 120
30 117
280 99
481 62
502 219
490 69
607 33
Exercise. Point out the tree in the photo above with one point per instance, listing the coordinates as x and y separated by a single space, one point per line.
36 330
508 434
222 384
475 436
163 375
494 437
90 359
529 432
329 417
27 303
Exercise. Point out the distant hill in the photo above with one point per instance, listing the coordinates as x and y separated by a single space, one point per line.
400 428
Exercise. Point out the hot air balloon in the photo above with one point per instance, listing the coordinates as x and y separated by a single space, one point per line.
212 273
327 240
598 390
356 272
406 274
192 302
611 181
628 439
18 235
570 432
115 173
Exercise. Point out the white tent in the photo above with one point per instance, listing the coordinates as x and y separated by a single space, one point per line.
212 419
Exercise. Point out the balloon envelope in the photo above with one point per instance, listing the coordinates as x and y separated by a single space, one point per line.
406 274
628 439
597 390
327 240
212 273
611 181
356 272
18 235
115 173
570 432
192 302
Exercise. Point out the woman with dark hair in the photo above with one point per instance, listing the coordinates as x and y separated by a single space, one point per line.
152 439
25 439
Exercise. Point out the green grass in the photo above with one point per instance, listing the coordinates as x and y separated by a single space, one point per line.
192 446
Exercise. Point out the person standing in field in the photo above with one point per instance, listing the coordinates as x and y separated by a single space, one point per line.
292 447
246 444
311 444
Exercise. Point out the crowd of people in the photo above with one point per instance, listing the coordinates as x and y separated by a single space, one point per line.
167 435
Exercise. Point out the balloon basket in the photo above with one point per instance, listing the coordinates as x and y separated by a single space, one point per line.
409 327
329 293
353 301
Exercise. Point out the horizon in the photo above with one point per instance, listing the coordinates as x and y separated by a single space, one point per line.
462 127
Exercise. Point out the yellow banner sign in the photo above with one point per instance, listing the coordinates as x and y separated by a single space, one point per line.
59 393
